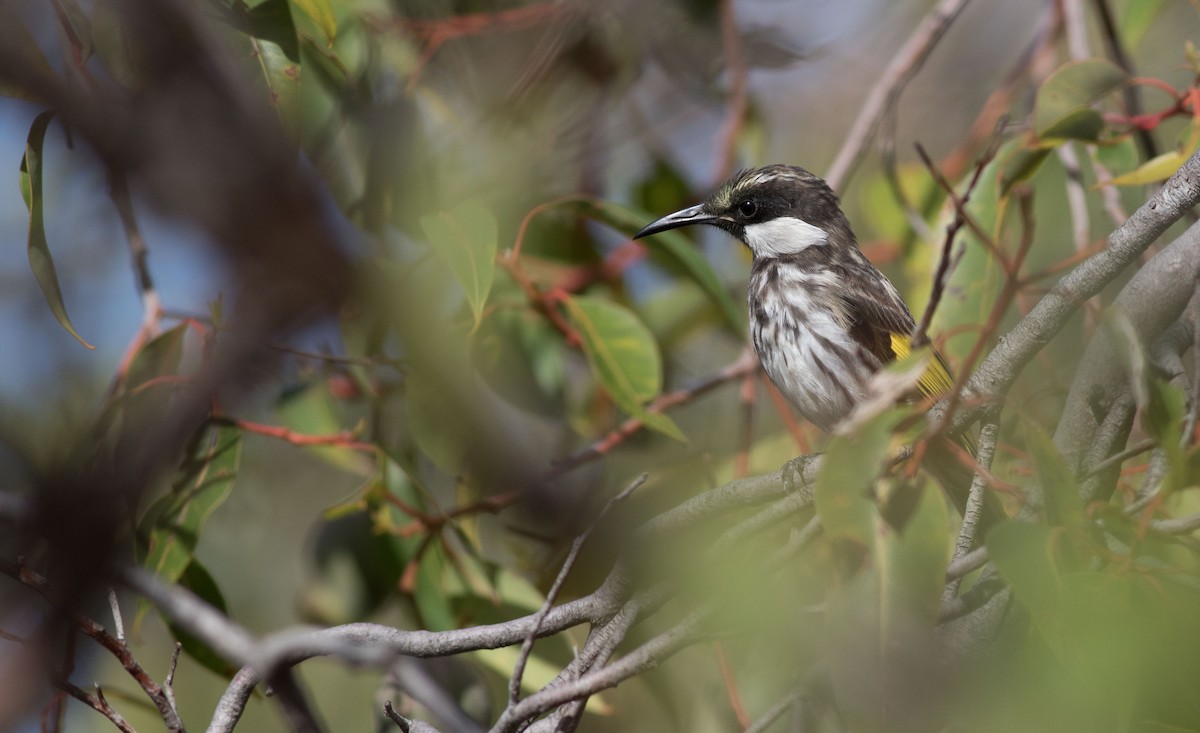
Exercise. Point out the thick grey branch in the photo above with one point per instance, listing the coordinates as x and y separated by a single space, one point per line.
1152 301
1000 369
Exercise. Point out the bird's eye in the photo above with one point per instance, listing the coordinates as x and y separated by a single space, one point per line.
747 209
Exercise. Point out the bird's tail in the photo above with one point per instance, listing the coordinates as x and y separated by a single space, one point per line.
955 477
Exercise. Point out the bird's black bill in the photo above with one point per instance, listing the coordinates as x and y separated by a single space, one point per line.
691 215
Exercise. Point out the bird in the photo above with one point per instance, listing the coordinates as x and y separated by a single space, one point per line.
823 319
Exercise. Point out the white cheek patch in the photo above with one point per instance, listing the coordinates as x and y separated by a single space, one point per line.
783 235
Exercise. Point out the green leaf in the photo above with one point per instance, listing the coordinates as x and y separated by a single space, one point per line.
1158 168
624 357
1120 154
274 47
852 463
321 13
1069 90
1084 124
271 21
1021 166
159 357
1064 505
912 565
198 580
465 237
621 348
142 397
281 77
38 248
429 594
675 245
172 526
1033 558
1136 19
1024 555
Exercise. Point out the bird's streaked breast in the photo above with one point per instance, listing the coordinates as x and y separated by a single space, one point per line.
803 341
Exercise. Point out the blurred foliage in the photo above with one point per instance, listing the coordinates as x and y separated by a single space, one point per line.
503 326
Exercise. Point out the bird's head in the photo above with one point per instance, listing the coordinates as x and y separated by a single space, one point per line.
776 210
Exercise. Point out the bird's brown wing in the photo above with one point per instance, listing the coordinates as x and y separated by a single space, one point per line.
875 310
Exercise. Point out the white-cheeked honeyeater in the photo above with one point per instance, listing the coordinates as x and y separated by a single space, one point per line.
823 319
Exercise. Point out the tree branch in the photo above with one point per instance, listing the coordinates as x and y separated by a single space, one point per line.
1002 366
1152 301
887 90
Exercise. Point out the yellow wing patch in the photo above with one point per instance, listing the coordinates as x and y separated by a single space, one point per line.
936 380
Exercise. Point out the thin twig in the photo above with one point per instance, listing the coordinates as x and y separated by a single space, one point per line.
646 656
774 713
942 272
115 606
403 723
514 684
286 690
343 439
730 683
887 90
1078 48
98 703
891 174
1039 55
973 560
93 630
1012 284
1080 220
784 409
748 398
735 115
152 310
1119 458
1177 525
1131 92
1076 197
988 437
601 447
169 680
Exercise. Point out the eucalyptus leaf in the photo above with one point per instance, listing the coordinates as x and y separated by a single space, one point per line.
623 355
37 247
465 237
172 526
199 581
321 13
1059 106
